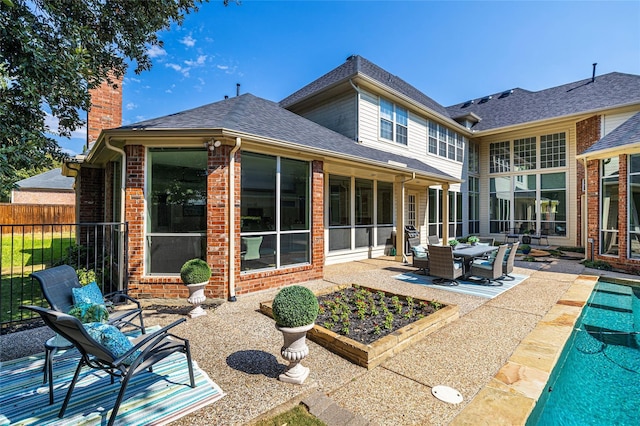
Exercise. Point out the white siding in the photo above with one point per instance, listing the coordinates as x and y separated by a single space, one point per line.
611 121
338 115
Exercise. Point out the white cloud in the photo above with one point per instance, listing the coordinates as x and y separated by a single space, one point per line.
52 124
156 51
188 41
198 62
222 67
130 106
182 70
170 89
202 82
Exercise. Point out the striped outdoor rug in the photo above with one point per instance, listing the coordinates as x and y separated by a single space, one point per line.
465 287
153 398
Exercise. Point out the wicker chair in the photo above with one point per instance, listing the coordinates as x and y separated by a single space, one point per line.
444 266
507 263
420 258
489 270
146 350
57 284
433 240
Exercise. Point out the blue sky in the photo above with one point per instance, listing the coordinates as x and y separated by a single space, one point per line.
452 51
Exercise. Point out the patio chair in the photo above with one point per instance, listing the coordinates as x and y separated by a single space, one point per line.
507 263
420 258
109 353
444 266
433 240
541 235
487 241
57 286
489 270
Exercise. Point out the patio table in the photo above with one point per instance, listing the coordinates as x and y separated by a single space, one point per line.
469 252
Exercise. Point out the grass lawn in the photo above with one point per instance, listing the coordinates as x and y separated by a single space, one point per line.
21 255
297 416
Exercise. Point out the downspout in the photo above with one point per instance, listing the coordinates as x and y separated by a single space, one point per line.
585 209
232 221
123 177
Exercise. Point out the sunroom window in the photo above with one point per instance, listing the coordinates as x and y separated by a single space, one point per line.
275 226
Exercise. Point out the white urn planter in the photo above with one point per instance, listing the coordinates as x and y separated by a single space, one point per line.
196 298
294 350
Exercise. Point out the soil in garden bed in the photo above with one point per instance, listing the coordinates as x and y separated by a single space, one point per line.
365 316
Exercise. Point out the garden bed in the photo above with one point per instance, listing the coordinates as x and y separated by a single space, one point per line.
372 339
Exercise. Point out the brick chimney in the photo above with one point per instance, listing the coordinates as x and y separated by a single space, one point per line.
106 110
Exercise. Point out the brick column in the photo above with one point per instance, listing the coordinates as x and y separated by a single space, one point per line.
587 133
134 214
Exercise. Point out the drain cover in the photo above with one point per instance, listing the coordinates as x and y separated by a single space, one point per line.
447 394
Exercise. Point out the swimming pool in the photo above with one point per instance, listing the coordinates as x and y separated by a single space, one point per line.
597 378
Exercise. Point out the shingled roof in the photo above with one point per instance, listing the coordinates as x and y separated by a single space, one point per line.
625 134
266 119
519 106
357 65
52 180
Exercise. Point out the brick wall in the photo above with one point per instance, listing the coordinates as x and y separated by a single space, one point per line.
587 133
106 110
90 188
134 215
43 197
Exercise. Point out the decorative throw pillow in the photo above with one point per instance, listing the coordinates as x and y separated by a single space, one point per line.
87 312
419 251
89 293
111 338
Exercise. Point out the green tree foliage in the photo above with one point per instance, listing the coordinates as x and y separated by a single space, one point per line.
52 52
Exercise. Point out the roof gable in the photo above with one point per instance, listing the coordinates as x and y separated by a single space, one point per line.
357 65
519 106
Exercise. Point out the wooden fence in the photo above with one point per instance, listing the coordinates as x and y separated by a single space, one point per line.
19 214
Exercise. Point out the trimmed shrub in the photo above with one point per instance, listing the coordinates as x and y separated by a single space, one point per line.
195 271
295 306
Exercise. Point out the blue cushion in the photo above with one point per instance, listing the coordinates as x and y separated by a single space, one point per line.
87 312
89 293
111 338
483 264
419 251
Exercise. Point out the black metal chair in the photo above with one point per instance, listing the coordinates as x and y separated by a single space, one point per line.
147 350
57 284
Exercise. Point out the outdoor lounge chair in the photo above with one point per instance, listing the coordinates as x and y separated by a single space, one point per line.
57 286
444 266
489 270
507 263
433 240
143 352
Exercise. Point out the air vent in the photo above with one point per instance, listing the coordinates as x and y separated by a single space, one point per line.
468 103
485 99
505 93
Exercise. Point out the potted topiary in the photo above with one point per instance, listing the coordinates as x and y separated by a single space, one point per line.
473 240
195 274
295 309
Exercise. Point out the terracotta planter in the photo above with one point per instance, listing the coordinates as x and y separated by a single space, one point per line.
196 298
294 350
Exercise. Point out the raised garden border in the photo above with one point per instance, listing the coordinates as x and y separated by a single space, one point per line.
373 354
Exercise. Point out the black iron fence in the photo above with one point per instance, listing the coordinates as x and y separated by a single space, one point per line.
89 247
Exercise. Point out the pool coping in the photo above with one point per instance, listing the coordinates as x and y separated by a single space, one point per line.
512 394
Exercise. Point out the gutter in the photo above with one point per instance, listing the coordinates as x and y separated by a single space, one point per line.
232 221
123 177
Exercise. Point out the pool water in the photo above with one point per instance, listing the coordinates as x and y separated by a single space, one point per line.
597 379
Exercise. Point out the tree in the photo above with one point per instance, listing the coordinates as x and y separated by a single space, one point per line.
53 52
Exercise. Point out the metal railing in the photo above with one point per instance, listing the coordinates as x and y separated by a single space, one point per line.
26 248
